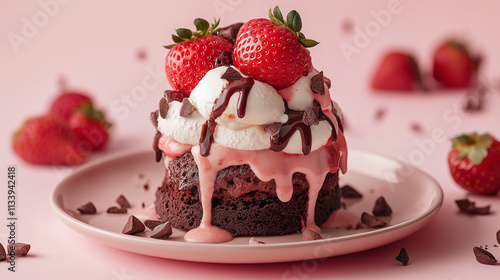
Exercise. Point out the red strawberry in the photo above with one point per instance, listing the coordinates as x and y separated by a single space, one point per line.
454 66
397 71
194 55
47 140
90 126
273 51
474 163
67 102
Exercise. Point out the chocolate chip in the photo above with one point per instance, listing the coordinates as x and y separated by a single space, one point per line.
231 74
146 186
483 256
158 152
318 84
309 235
186 108
133 226
87 209
19 249
174 95
381 208
123 202
372 221
161 231
3 254
229 32
498 236
462 204
163 107
254 241
154 118
310 118
403 257
223 59
348 191
151 224
328 82
143 205
470 207
273 129
116 210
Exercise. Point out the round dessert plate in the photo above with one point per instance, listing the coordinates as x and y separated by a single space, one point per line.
413 195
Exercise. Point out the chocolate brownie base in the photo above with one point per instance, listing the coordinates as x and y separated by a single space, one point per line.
241 204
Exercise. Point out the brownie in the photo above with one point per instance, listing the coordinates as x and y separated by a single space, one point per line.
242 204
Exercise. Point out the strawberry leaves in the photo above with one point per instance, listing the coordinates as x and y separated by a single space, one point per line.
203 28
293 22
473 146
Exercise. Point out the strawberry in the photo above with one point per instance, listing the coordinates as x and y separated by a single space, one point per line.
194 54
47 140
397 71
90 126
454 66
67 102
273 51
474 163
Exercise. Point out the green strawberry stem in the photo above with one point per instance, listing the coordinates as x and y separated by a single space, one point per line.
473 146
203 28
293 22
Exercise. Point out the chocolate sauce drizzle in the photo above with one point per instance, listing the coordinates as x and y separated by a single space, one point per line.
242 86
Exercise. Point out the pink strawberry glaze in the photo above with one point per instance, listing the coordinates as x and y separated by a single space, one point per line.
343 219
147 213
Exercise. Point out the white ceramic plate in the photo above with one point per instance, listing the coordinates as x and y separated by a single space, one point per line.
414 196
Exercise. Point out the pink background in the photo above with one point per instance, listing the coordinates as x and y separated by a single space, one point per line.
95 45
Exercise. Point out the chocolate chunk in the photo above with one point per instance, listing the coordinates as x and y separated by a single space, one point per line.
403 257
483 256
372 221
133 226
151 224
229 32
123 202
475 97
146 186
87 209
186 108
381 208
19 249
328 82
162 231
318 84
3 254
116 210
223 59
231 74
310 118
254 241
309 235
175 95
498 236
473 209
273 129
416 127
154 118
348 191
163 107
380 114
462 204
158 152
143 205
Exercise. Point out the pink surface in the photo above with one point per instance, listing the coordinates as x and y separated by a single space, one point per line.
96 47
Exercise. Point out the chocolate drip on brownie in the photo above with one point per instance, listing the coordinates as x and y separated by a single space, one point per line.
293 124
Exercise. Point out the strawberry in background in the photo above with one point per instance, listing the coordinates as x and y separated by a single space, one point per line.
91 126
454 66
397 71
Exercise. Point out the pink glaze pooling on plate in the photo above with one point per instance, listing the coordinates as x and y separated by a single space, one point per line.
342 218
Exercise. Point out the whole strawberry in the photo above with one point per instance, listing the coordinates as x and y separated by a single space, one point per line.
397 71
90 126
454 66
67 102
273 51
474 163
47 140
194 54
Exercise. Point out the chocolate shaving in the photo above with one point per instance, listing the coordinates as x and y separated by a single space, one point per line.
318 84
123 202
498 236
328 82
348 191
310 118
162 231
229 32
231 74
273 129
19 249
309 235
403 257
3 254
381 208
372 221
163 107
154 118
174 95
133 226
87 209
483 256
158 152
223 59
186 108
254 241
151 224
116 210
